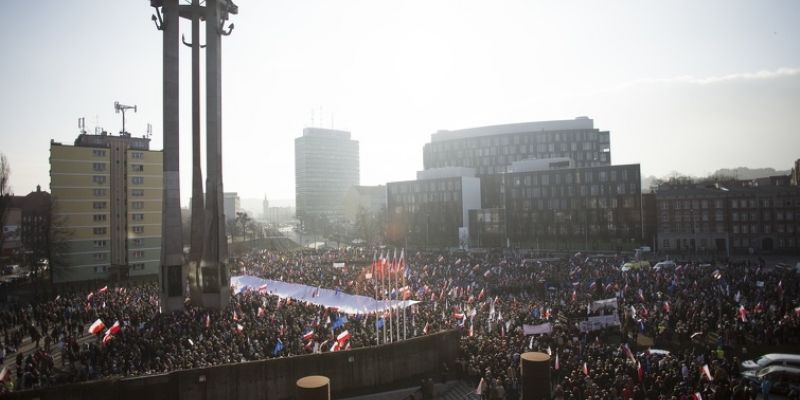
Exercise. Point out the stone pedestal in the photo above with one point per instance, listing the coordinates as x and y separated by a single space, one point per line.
535 376
314 387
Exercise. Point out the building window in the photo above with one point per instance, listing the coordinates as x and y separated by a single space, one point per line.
137 192
137 154
99 205
99 167
99 153
137 217
99 217
138 242
138 229
99 256
99 231
137 168
137 254
100 192
99 243
100 269
137 266
137 205
137 180
99 179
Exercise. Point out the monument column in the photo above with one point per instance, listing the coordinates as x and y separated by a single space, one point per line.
172 274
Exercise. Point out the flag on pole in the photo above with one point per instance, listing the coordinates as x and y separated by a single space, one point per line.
102 290
344 336
97 327
114 329
425 329
308 335
706 372
585 369
107 339
639 371
239 328
549 352
558 365
208 320
628 352
481 387
742 313
4 375
697 396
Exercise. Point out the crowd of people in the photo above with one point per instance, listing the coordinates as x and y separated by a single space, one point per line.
708 315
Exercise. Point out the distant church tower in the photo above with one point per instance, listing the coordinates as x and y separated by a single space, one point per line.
265 206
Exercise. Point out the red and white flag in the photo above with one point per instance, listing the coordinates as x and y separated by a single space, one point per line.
97 327
640 371
102 290
239 328
481 387
628 352
208 320
697 396
235 316
114 329
89 296
742 313
263 288
706 372
4 375
261 312
482 294
557 366
574 295
425 329
335 347
667 308
458 315
343 337
585 369
308 335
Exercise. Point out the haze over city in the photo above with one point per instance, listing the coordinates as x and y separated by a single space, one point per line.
683 86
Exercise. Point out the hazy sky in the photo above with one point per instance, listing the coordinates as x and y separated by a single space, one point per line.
682 85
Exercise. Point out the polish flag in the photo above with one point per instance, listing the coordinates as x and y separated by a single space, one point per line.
471 329
667 308
102 290
707 373
343 337
239 328
628 352
574 295
458 315
309 345
263 288
640 371
425 329
547 313
89 296
115 329
481 387
558 365
585 369
697 396
482 294
208 320
4 375
335 347
742 313
107 339
235 316
97 327
261 312
308 335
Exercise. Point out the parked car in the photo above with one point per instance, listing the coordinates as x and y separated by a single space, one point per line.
787 360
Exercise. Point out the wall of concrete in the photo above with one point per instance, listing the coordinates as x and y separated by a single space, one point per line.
350 371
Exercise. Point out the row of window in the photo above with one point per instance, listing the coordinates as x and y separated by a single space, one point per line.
720 203
104 243
521 138
101 180
104 230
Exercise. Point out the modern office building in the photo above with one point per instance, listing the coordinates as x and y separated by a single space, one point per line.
433 210
760 216
593 208
491 149
326 166
107 201
231 205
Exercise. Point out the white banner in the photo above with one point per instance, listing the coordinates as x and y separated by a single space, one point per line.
338 265
607 303
598 323
347 303
537 329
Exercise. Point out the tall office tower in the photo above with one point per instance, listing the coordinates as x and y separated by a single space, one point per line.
326 166
106 193
491 149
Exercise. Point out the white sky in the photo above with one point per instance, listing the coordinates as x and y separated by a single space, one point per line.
682 85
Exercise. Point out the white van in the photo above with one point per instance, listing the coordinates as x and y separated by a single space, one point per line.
786 360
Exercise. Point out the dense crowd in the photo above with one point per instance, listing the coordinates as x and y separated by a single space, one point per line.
707 314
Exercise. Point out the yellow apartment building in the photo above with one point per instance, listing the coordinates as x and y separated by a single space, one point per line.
106 193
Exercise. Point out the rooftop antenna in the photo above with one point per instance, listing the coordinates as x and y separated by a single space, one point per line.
82 125
149 130
122 107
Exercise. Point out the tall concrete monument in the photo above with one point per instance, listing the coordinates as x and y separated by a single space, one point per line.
206 269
